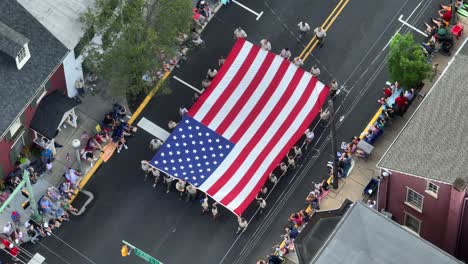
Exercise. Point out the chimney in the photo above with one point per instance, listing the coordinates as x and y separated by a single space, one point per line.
15 45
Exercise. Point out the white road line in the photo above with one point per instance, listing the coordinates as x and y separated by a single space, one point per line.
153 129
398 31
187 84
258 15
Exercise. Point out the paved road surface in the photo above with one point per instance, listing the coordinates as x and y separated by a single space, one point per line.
126 207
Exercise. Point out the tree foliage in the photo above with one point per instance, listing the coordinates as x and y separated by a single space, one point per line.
407 63
136 34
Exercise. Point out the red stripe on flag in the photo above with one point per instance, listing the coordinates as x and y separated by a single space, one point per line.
315 110
263 128
231 87
224 68
247 94
262 102
272 142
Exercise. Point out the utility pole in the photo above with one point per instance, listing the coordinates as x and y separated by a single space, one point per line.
138 252
333 143
453 9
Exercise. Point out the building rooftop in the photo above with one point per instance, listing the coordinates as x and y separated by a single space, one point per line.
364 235
60 17
11 42
433 144
17 87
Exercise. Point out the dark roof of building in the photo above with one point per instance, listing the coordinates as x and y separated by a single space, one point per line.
317 231
364 235
11 41
50 112
17 87
433 144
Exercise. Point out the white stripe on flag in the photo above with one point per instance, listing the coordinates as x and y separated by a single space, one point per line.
239 90
266 138
254 126
278 147
244 113
227 78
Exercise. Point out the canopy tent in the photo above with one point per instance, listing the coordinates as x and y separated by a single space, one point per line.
256 108
53 111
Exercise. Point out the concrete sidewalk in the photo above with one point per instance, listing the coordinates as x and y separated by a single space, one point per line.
90 113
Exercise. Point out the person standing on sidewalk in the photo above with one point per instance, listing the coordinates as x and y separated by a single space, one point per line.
242 224
303 29
320 33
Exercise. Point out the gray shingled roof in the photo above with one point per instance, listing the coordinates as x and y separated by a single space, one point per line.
11 41
18 86
434 142
366 236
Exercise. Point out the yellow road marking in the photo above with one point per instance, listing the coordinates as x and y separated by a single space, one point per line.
323 25
326 29
135 115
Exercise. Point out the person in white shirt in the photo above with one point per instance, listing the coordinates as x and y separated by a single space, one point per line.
145 167
285 53
214 210
156 174
182 111
155 144
242 224
298 62
283 167
191 192
303 29
309 137
211 73
266 45
180 186
168 181
239 33
261 203
320 33
205 205
315 71
273 178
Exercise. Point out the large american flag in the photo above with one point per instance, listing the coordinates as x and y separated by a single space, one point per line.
257 107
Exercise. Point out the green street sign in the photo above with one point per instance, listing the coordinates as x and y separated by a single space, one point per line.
139 253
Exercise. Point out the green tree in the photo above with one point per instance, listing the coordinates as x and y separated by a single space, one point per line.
407 63
136 36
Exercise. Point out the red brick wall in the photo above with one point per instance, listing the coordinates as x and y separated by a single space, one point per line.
434 212
56 82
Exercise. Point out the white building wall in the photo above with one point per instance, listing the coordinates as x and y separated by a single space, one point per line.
73 71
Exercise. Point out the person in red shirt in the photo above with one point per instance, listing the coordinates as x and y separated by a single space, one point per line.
445 14
401 103
387 91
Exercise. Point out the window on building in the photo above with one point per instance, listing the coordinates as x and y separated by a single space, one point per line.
15 128
432 189
412 223
22 54
414 199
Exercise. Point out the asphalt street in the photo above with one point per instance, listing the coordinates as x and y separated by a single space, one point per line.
126 207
